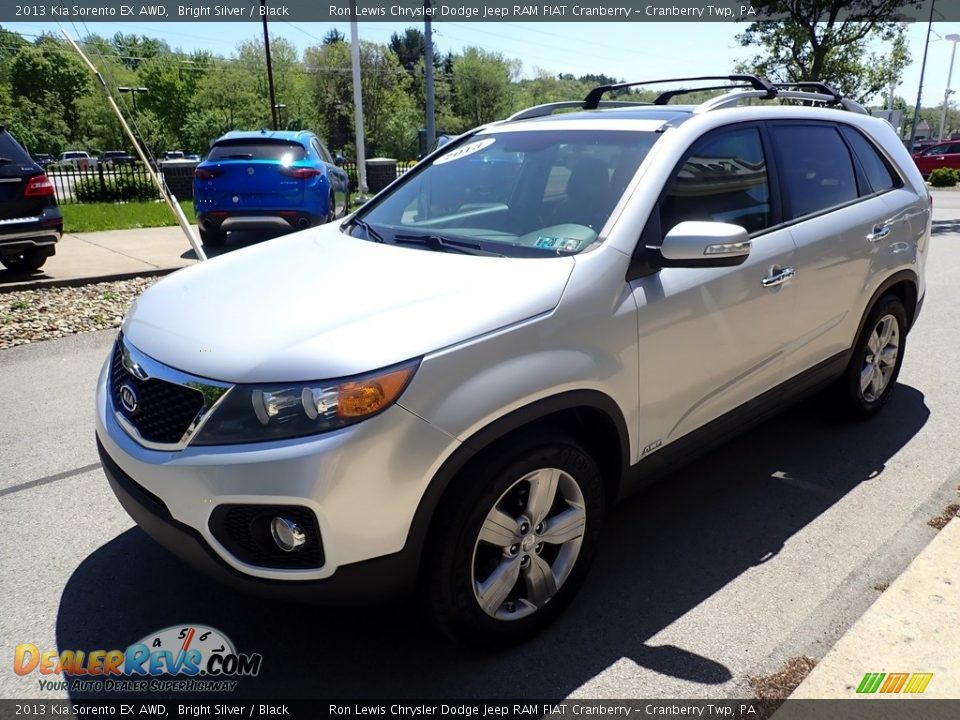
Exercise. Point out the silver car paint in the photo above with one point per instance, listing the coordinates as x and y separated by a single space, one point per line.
359 491
321 305
673 350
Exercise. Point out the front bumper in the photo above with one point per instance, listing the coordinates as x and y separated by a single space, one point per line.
363 484
374 580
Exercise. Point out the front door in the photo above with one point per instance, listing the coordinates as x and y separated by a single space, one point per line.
712 339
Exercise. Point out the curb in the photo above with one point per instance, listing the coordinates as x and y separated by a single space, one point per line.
85 280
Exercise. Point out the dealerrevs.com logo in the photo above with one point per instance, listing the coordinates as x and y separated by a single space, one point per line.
180 658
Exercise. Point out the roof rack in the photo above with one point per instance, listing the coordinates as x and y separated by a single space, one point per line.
831 97
550 108
757 83
666 96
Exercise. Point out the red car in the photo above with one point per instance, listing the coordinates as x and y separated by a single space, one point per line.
945 154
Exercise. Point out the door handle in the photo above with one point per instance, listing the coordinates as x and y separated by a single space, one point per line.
778 278
879 233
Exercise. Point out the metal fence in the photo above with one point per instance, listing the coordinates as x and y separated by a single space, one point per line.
131 181
351 167
102 183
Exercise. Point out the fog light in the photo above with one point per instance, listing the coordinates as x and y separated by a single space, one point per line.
287 534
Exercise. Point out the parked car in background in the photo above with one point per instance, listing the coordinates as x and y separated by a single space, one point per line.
112 158
30 221
267 180
941 155
80 159
42 159
172 155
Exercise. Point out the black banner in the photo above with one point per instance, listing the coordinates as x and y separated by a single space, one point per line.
854 709
93 11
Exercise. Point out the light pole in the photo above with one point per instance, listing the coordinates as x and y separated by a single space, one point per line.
923 68
135 90
954 38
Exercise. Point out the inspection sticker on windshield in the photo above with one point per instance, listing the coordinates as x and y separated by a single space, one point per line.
468 149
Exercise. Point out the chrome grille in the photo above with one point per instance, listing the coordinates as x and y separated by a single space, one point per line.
164 410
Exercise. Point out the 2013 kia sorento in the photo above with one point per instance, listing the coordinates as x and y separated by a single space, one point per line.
448 389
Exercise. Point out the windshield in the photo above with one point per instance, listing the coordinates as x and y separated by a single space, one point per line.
547 191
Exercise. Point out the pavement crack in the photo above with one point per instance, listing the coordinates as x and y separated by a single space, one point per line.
48 479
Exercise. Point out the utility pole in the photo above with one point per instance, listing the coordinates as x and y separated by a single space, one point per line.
266 47
428 71
357 99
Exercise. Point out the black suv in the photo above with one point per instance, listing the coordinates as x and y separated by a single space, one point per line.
30 222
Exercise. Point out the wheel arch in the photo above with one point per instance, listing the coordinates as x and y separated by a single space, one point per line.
591 417
902 284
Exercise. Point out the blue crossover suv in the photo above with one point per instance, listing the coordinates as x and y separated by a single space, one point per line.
267 180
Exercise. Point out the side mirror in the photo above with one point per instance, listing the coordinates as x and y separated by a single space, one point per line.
338 161
704 244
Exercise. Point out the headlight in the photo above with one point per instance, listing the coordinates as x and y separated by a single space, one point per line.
257 413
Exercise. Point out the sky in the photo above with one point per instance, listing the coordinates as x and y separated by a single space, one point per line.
623 50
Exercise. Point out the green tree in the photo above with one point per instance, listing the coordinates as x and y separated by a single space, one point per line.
38 123
409 48
10 45
482 85
171 80
49 67
827 40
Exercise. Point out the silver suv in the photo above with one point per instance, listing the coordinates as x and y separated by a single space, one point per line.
447 390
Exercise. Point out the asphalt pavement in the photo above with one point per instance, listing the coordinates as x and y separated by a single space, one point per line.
768 548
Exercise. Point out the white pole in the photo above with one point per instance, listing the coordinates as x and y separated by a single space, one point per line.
357 98
164 192
946 94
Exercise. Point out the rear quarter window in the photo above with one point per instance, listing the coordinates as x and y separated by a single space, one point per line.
878 172
279 151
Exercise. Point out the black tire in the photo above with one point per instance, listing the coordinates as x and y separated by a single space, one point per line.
27 261
213 238
331 209
456 556
855 400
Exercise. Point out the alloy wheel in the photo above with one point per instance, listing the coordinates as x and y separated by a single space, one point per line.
528 544
880 359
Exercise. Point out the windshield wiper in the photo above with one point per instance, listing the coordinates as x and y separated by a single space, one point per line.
437 242
365 226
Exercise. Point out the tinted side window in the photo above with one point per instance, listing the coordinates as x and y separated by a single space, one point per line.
816 168
877 171
724 179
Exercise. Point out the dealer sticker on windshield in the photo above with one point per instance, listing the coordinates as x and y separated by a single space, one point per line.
468 149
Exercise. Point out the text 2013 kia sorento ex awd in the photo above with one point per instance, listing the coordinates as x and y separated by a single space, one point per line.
448 389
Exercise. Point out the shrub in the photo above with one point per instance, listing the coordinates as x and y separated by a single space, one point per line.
943 177
120 188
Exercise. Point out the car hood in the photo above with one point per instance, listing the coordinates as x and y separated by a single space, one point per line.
319 304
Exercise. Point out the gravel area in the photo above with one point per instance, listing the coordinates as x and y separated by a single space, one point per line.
28 316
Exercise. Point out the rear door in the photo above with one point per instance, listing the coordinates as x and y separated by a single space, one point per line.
252 174
834 216
16 168
339 180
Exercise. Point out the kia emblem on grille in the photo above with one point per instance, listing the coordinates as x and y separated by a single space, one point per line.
128 398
